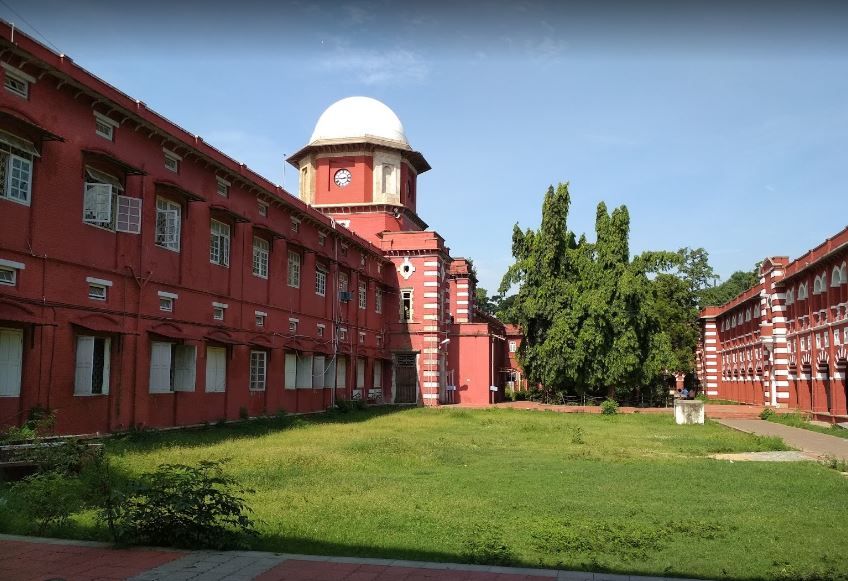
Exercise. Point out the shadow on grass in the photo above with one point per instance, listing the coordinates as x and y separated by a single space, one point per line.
211 434
304 546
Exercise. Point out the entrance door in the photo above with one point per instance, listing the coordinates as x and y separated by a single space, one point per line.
406 379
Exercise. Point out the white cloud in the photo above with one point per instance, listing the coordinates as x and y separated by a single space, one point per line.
377 67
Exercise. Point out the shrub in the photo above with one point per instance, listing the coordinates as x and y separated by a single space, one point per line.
521 396
609 407
348 405
702 397
40 422
509 394
186 506
48 499
766 413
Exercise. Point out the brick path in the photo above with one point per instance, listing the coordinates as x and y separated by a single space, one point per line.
806 440
37 559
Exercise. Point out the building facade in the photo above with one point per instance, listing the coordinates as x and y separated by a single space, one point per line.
783 342
149 280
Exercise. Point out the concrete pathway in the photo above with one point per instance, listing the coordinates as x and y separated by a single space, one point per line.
711 411
819 444
38 559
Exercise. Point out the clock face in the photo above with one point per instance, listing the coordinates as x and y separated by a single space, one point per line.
342 178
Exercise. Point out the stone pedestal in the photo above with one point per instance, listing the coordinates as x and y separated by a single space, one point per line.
688 411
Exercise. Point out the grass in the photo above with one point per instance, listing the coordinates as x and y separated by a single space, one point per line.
798 420
627 494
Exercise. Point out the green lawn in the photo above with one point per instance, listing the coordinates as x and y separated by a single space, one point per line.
627 493
797 420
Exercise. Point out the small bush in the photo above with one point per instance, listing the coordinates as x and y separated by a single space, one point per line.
40 422
835 463
609 407
577 435
702 397
48 499
521 395
348 405
509 394
197 507
766 413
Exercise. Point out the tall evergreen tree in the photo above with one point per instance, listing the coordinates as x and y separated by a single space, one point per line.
586 308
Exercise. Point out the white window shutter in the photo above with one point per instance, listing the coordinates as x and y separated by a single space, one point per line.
225 249
185 367
304 371
291 371
129 215
318 372
216 369
11 356
360 373
171 235
84 366
341 372
107 357
378 374
330 374
160 367
97 206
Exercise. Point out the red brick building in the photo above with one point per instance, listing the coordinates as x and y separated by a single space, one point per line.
147 279
783 342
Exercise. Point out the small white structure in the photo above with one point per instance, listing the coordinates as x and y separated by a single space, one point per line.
688 411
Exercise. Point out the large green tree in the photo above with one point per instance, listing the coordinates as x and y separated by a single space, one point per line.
739 282
586 308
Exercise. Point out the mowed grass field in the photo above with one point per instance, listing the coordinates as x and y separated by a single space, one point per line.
628 493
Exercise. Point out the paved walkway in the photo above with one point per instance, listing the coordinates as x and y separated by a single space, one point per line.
37 559
819 444
712 411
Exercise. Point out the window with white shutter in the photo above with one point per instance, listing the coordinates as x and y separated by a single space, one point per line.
378 374
219 243
304 371
291 371
341 372
97 205
258 363
92 366
261 252
216 369
318 372
330 374
168 224
294 269
161 380
128 217
360 373
11 361
16 160
184 362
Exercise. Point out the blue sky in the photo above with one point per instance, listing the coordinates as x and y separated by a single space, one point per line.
701 117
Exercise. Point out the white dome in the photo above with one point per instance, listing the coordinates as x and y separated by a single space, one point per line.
356 117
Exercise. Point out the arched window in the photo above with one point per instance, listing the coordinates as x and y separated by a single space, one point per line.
757 312
790 296
747 315
733 321
844 276
802 291
836 277
817 285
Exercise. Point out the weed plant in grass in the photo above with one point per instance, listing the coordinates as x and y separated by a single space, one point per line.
622 493
798 420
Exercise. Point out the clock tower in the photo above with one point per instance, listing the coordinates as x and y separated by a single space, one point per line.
359 169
